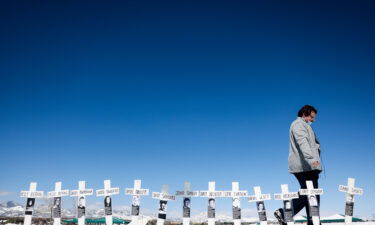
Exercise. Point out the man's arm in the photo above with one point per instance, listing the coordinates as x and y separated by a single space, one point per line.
300 135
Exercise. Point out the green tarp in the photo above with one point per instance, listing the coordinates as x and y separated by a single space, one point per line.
328 220
98 220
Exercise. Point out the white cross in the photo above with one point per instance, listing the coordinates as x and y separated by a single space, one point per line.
186 195
163 197
259 198
136 192
211 194
31 195
56 208
287 197
236 195
311 194
350 191
81 194
107 192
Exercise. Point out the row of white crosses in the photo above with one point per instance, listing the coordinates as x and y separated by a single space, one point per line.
187 194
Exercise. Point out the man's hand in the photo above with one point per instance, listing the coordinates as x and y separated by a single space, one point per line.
315 164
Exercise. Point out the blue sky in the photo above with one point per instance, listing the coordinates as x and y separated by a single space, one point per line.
173 91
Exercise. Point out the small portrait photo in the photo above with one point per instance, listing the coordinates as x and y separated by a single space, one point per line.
162 210
107 201
57 202
287 205
29 206
81 202
313 201
236 208
211 203
187 202
211 208
186 208
163 206
56 209
81 209
260 206
136 200
108 205
349 208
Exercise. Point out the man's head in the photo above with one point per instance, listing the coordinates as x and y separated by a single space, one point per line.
260 206
308 113
211 203
187 202
81 201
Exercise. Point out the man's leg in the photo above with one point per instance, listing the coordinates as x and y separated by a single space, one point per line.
301 202
298 204
312 176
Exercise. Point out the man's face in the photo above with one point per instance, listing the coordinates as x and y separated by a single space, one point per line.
311 117
81 202
211 203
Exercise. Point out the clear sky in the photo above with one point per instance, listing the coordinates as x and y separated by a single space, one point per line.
185 90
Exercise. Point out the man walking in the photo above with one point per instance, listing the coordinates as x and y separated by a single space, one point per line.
304 159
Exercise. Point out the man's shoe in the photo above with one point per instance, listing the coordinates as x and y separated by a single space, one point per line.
279 215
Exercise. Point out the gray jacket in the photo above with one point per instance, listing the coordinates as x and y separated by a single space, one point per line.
304 147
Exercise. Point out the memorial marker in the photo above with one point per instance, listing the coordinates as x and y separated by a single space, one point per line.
259 198
186 200
287 198
311 194
136 192
211 194
56 208
236 194
163 197
81 193
107 192
31 195
350 191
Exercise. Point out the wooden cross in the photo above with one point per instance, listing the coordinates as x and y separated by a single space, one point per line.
311 194
31 195
163 197
211 194
107 192
56 208
350 191
186 195
287 197
136 192
81 193
259 198
236 195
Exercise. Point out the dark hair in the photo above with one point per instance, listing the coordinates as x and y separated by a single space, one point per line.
306 110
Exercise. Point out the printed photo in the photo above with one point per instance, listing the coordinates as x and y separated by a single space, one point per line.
56 209
162 209
211 208
186 208
236 208
135 205
108 205
81 209
261 211
29 206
